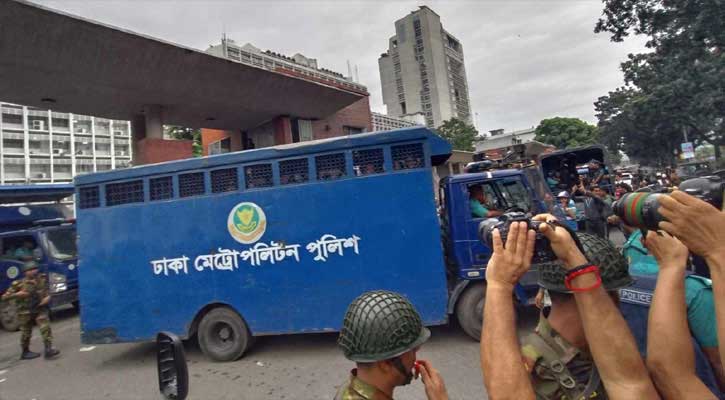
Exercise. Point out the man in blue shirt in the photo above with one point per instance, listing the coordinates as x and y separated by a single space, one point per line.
698 295
25 253
477 200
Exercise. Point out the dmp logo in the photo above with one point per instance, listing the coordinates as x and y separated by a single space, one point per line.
247 222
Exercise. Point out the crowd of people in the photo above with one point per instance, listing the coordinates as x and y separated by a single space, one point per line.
582 347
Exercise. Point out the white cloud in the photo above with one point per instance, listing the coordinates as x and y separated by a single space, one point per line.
525 60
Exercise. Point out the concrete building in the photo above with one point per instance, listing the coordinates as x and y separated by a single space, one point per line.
500 139
85 67
382 122
293 127
423 70
44 146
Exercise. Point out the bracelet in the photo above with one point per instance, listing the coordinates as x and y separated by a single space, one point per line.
587 269
578 268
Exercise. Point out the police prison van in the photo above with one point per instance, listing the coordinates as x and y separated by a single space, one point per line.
280 240
35 214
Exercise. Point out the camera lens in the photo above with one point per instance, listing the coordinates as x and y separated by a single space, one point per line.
485 230
639 209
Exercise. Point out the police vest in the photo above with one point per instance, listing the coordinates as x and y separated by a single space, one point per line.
634 302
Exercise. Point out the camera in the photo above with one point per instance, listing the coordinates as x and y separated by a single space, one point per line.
542 248
641 208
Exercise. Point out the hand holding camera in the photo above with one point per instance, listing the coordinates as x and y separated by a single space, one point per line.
510 262
561 242
504 225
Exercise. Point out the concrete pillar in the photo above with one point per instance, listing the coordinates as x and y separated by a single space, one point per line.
154 121
138 133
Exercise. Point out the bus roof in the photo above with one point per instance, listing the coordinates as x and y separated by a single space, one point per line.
440 151
15 194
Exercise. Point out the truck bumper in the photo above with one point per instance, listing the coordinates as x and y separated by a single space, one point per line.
63 298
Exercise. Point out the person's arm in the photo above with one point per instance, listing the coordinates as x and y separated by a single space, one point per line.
670 357
504 373
493 213
713 357
701 227
613 349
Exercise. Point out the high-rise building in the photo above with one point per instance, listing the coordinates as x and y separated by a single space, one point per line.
423 70
44 146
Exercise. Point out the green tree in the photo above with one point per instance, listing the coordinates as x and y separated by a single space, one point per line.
675 89
566 132
459 134
180 132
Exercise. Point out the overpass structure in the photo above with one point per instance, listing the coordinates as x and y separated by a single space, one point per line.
51 59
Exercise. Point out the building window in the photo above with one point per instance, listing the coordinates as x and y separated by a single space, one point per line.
352 130
220 146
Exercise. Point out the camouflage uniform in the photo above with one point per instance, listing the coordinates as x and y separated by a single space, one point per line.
355 389
558 369
28 309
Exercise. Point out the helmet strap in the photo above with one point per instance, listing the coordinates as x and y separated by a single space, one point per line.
398 364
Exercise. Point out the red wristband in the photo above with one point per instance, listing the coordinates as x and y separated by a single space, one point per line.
573 274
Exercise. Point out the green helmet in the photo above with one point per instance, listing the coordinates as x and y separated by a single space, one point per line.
30 265
599 251
380 325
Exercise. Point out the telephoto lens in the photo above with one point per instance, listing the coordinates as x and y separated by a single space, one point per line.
639 209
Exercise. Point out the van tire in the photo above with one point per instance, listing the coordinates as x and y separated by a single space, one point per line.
9 316
223 335
469 309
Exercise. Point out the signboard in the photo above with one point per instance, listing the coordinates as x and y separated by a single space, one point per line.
688 151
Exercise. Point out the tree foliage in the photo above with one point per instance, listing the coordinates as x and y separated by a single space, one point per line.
182 133
566 132
459 134
677 88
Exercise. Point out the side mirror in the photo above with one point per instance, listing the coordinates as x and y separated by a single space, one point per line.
171 365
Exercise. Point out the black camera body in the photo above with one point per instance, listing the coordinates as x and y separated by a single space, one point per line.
542 248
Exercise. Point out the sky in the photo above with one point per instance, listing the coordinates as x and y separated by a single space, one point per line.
526 60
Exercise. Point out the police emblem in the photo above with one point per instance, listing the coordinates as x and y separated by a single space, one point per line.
246 222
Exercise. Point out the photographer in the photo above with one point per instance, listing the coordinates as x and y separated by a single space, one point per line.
701 227
670 356
579 317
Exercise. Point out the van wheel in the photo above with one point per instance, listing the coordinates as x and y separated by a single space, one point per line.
469 309
9 316
223 335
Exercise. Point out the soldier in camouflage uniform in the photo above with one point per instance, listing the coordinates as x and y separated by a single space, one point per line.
382 332
561 368
31 297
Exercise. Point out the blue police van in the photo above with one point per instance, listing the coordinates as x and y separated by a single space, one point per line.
280 240
35 225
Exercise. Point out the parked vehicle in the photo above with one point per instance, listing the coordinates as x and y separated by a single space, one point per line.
33 214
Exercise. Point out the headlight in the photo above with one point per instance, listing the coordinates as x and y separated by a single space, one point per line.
57 282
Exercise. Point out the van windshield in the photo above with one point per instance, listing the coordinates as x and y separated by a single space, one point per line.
62 244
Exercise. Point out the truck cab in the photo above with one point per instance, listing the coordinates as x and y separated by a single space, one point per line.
42 232
506 190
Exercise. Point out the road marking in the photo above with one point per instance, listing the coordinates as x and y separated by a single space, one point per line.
89 348
2 380
3 371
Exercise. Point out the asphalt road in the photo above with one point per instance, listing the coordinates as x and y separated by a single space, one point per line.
295 367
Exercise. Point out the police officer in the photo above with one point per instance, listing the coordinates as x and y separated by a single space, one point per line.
556 353
382 333
32 299
698 296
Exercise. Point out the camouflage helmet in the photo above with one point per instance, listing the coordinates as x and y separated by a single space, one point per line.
380 325
30 265
600 252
